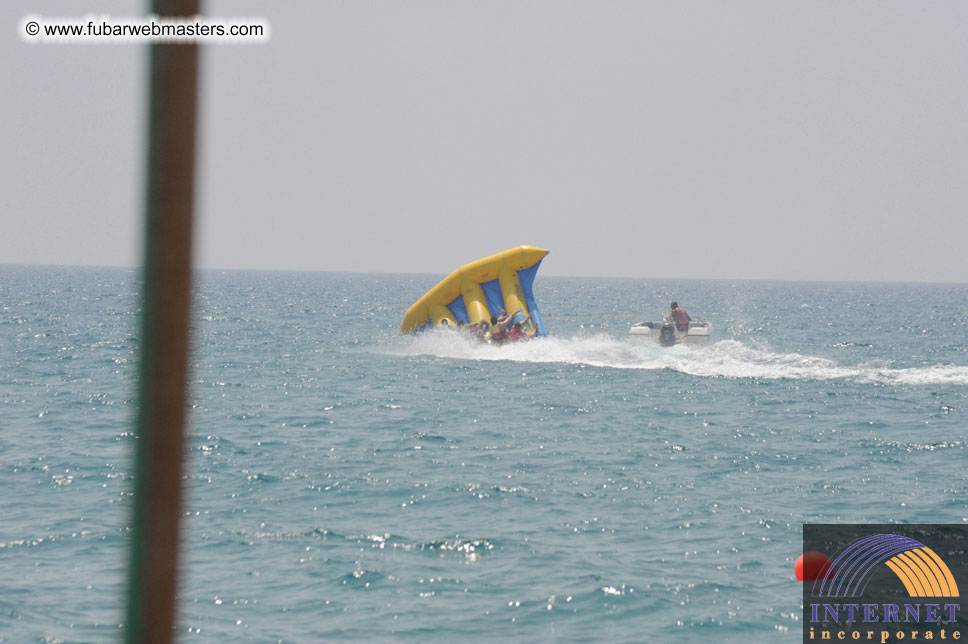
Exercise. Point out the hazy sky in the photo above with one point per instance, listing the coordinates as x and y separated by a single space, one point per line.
778 140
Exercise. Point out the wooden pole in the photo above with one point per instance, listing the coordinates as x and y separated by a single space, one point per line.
165 334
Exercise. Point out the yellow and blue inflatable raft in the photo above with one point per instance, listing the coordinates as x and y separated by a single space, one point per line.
479 290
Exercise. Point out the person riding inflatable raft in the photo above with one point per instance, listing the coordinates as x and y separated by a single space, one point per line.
496 331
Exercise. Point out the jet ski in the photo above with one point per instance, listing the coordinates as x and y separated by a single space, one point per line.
667 335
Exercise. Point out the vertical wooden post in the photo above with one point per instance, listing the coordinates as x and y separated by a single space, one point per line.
165 334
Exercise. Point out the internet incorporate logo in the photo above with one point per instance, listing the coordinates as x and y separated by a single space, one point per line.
922 572
909 591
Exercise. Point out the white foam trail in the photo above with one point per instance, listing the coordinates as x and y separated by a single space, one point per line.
723 359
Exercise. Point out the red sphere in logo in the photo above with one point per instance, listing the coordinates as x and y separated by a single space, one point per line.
812 565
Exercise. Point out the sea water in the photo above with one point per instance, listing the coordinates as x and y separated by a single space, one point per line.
344 483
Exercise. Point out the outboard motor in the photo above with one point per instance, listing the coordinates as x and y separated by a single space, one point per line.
667 334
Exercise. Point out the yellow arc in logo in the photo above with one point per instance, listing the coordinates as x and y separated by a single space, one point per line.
923 573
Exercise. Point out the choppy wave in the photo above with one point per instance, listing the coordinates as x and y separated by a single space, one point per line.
723 359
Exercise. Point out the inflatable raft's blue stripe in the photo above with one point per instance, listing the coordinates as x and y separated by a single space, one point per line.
494 297
459 309
526 277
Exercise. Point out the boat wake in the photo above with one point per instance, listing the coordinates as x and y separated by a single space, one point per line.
723 359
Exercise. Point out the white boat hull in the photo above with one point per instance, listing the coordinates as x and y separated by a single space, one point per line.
698 333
